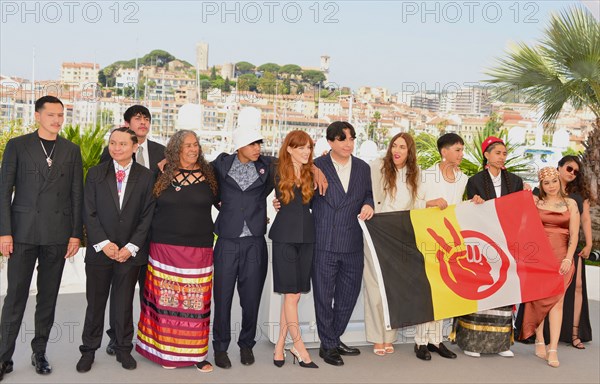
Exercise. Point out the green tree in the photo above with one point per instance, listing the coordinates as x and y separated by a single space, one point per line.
245 67
213 73
561 67
269 67
90 140
227 85
248 82
313 77
13 129
267 83
290 70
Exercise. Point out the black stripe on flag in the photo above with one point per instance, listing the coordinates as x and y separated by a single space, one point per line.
402 269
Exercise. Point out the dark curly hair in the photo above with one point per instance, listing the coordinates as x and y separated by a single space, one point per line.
579 185
172 166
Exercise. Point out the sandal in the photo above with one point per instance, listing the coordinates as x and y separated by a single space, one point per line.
204 364
553 363
575 337
537 353
389 349
378 351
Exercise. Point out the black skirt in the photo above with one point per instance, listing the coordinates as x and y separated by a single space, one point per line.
292 263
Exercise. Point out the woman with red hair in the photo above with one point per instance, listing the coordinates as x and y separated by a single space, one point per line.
293 236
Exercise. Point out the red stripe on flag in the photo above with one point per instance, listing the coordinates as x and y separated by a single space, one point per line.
529 245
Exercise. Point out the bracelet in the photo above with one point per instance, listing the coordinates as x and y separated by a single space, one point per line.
569 260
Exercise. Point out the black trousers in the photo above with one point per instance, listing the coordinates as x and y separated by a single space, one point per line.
243 260
111 312
51 262
102 279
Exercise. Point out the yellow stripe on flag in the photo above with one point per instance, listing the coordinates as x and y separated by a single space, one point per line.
446 303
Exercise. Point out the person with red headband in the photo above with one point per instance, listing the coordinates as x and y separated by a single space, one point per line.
489 331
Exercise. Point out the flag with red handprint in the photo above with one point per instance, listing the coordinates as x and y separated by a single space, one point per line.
435 264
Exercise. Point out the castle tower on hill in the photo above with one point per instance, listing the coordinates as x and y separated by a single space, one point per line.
202 56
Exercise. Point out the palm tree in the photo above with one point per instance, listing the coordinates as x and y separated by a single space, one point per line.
564 66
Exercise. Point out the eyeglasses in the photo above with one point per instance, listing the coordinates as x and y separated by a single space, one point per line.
572 170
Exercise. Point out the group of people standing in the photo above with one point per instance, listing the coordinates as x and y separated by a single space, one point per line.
147 215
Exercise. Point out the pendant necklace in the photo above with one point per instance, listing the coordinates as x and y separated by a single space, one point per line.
48 156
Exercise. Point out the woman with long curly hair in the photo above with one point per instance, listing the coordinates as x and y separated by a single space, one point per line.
576 328
293 236
395 179
174 322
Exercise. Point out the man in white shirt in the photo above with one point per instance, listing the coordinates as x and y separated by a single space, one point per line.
119 205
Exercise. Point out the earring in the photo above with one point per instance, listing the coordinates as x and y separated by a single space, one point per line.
487 166
443 159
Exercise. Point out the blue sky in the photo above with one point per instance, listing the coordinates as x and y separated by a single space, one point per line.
395 44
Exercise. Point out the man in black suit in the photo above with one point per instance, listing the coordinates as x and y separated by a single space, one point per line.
118 211
149 154
241 254
42 224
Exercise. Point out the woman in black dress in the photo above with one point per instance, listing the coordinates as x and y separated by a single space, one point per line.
293 238
576 328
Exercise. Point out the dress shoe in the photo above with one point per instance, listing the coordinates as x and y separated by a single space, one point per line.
110 348
442 351
127 361
5 367
422 352
222 360
41 364
331 356
345 350
246 356
85 363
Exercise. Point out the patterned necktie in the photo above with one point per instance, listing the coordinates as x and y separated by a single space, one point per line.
139 158
120 177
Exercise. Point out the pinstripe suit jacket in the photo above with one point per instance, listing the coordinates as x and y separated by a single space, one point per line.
335 214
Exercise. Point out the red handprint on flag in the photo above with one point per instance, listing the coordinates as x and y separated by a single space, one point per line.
464 268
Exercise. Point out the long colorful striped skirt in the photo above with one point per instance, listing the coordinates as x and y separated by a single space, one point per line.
175 317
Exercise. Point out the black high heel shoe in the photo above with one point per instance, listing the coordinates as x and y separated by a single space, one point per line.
302 363
279 363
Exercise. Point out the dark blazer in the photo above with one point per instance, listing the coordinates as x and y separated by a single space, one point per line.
105 221
481 184
335 214
294 222
238 206
156 153
47 204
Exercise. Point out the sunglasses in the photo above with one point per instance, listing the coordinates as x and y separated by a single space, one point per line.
572 170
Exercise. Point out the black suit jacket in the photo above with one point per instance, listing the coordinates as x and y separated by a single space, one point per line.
156 153
294 221
103 218
46 209
238 206
481 184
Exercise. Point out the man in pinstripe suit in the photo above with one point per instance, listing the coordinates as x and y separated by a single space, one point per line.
338 261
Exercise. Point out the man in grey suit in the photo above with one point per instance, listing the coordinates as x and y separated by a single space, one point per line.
338 261
42 224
